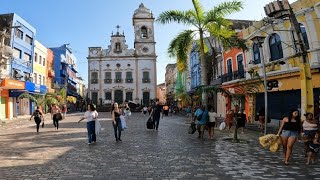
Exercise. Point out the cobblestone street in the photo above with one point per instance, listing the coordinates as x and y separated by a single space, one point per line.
170 153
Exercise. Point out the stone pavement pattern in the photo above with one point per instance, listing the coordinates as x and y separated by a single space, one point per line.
170 153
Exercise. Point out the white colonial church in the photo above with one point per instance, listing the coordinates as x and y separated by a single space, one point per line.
118 74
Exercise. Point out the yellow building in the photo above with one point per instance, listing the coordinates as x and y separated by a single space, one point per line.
40 64
282 66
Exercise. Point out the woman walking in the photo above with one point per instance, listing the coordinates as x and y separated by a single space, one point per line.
116 122
56 115
38 116
212 123
310 128
91 116
289 132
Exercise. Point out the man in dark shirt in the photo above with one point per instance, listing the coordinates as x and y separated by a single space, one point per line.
156 113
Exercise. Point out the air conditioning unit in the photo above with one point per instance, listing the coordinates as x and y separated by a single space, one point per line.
31 75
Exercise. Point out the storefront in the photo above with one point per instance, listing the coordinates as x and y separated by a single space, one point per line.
34 89
10 105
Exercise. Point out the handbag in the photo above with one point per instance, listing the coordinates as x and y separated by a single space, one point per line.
192 128
150 124
222 126
58 116
123 122
97 127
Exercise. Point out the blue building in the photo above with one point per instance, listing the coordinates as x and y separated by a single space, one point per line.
65 69
18 68
195 67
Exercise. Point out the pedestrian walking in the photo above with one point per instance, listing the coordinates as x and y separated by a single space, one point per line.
166 110
156 114
56 115
144 110
64 110
314 147
310 128
91 116
202 118
127 111
38 116
116 121
211 123
149 110
289 132
241 121
261 118
229 119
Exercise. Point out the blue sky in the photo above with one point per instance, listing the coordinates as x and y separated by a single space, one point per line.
84 23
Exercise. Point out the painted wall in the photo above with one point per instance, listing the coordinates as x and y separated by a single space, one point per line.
40 63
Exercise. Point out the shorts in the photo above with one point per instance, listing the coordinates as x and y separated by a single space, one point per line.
201 127
287 133
309 133
211 124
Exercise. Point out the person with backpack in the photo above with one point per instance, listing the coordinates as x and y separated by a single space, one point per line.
56 115
38 116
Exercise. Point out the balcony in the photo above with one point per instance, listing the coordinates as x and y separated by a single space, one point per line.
107 81
117 80
51 73
94 81
129 80
233 76
145 80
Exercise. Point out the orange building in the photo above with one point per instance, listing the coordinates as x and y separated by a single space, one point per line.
50 71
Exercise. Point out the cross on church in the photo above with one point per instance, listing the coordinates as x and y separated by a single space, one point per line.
118 27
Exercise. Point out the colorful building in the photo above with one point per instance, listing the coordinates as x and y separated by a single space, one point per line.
282 65
50 71
19 68
161 93
170 81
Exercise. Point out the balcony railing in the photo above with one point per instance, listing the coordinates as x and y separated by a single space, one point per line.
145 80
129 80
107 81
118 80
233 76
94 81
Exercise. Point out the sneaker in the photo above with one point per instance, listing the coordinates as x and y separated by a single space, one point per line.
120 140
89 143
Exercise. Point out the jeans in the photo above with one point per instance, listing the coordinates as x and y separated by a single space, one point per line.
91 131
117 129
156 120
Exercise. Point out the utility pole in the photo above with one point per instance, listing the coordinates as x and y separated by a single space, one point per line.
281 9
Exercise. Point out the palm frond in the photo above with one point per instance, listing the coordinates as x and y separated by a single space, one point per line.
199 12
181 45
28 96
222 10
184 17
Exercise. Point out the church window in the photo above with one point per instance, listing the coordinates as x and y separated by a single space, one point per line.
118 47
144 32
118 65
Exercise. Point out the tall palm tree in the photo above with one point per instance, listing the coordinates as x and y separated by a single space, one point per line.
210 22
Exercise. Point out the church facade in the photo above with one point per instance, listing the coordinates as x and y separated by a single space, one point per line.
118 74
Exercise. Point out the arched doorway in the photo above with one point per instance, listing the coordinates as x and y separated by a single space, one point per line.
146 98
118 96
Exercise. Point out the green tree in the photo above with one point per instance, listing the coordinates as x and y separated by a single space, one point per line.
212 22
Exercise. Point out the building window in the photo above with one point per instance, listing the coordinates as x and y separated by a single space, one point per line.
29 39
128 96
304 36
35 57
19 34
229 70
16 53
240 66
44 61
107 77
275 47
108 96
256 54
144 32
43 80
118 77
27 57
94 78
128 77
146 78
146 98
94 96
40 59
118 47
39 79
35 78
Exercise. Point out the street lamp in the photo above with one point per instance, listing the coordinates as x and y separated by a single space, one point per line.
259 40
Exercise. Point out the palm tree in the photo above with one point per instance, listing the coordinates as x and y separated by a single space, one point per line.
212 22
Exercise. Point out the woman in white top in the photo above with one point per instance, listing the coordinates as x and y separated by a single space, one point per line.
310 128
212 123
91 115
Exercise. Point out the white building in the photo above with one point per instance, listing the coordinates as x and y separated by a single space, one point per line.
119 74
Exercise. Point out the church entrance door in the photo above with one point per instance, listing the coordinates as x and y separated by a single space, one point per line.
118 96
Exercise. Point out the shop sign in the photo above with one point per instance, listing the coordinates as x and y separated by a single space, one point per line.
12 84
37 88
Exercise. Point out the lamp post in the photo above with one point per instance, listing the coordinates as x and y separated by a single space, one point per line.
259 40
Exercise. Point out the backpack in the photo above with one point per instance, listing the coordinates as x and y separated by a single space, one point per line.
37 115
150 124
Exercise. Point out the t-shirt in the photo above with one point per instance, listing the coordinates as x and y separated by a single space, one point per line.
204 117
145 108
91 115
157 110
198 112
212 116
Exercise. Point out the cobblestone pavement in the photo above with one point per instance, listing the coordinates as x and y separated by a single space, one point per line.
170 153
